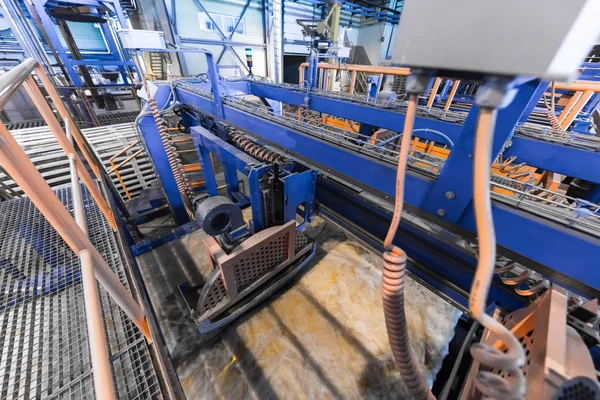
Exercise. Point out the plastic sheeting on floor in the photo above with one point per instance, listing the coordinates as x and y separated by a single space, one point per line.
324 337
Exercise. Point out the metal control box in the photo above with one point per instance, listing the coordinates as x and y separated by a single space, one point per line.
141 39
544 38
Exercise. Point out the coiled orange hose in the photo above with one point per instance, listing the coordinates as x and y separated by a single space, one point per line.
183 185
394 268
251 148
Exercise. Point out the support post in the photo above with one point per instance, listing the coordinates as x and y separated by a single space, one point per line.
103 382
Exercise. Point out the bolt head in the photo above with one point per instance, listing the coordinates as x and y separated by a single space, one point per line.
441 212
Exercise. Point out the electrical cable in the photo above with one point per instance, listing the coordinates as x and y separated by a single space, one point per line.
489 383
394 268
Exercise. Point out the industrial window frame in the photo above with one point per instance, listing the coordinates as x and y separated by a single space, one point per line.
207 24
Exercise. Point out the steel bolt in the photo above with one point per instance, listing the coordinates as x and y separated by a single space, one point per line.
449 195
441 212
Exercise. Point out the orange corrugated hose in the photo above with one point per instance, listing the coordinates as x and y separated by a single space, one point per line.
394 268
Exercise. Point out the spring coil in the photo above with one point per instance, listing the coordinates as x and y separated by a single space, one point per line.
260 153
553 120
394 268
183 185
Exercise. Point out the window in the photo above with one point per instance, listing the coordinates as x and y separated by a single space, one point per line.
226 23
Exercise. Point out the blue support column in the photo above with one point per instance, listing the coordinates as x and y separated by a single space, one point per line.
313 71
256 199
210 182
158 155
50 29
453 191
215 84
594 195
445 88
114 50
231 179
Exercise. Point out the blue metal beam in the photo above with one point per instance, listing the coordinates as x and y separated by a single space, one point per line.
565 160
518 231
553 157
354 111
453 191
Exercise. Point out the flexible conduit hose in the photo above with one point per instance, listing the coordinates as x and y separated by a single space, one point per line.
183 185
394 268
490 384
249 147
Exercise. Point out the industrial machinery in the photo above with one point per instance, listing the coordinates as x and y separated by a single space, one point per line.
516 252
251 261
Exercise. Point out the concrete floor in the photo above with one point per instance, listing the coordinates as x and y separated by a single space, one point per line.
322 337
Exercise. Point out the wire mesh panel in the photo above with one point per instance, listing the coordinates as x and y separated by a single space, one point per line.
44 349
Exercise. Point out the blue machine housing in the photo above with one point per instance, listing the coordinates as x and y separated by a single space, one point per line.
356 189
299 181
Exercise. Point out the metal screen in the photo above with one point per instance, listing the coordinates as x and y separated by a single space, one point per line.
44 349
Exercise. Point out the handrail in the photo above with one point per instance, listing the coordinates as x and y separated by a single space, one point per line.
375 69
11 81
103 383
115 168
40 101
15 161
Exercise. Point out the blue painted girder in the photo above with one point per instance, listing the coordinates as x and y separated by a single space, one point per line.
560 248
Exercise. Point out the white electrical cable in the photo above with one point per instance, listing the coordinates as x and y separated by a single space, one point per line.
491 384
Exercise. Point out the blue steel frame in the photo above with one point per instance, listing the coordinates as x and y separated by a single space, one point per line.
113 59
299 187
559 248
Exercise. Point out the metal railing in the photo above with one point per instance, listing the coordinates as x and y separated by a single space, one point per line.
115 168
74 233
562 137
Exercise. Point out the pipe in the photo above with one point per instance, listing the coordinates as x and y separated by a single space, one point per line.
394 268
24 173
103 382
434 90
38 99
125 161
277 32
11 81
577 107
364 68
578 86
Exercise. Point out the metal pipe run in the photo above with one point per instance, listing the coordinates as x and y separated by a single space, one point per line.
103 382
363 68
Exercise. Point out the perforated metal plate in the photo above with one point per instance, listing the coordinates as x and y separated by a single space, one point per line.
260 262
44 349
251 268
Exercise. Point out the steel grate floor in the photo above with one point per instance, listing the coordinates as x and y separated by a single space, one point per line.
44 351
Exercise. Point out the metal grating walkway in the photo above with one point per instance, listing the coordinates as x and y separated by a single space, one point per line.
44 351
